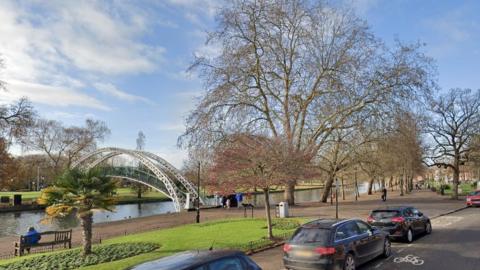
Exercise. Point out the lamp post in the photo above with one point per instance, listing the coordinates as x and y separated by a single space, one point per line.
198 193
336 198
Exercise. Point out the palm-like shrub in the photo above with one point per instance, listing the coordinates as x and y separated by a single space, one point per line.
82 191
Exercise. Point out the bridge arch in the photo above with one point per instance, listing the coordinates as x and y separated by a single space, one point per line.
165 176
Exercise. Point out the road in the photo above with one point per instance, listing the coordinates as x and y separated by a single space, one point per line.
453 244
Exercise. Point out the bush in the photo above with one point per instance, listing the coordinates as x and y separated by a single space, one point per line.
73 259
434 189
447 187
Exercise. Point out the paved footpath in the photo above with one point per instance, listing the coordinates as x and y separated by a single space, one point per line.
427 202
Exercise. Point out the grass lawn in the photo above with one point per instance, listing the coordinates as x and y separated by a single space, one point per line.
231 233
466 188
123 195
26 195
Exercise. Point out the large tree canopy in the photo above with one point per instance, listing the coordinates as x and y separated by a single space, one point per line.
453 130
298 70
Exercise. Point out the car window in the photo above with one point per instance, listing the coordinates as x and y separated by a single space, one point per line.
346 230
311 235
363 227
415 211
408 212
232 263
203 267
381 214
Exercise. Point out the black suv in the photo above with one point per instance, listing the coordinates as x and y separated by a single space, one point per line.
202 260
401 222
334 244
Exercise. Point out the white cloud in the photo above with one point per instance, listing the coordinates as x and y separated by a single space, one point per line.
50 95
112 90
173 155
67 44
177 127
362 7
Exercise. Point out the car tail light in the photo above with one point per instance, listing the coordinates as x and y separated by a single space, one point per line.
325 250
370 219
398 219
287 248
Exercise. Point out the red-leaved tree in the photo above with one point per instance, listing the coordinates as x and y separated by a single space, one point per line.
246 161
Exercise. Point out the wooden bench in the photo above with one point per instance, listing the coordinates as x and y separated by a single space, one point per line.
49 239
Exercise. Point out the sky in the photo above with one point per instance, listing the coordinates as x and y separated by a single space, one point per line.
125 62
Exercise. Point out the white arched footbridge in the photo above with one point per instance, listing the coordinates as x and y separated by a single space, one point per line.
155 172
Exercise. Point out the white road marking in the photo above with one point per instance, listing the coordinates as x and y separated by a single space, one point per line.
378 265
415 260
445 221
400 250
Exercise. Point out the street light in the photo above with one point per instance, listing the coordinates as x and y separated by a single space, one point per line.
336 198
198 193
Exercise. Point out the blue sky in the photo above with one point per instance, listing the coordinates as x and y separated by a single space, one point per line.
125 62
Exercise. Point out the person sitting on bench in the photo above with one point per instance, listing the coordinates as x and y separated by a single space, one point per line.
32 237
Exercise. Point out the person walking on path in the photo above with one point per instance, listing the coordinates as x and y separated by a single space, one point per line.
384 194
239 197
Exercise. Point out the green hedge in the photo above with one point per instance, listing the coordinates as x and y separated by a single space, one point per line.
73 259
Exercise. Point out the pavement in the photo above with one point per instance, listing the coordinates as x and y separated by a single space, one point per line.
428 202
450 225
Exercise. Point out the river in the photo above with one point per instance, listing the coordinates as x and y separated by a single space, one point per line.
16 223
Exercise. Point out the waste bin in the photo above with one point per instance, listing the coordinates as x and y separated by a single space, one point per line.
17 199
4 199
283 209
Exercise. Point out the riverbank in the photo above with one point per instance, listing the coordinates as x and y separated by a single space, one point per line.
124 196
429 202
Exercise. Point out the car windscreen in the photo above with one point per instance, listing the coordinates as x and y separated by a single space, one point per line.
381 214
311 235
475 193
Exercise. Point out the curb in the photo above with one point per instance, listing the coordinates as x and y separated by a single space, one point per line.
449 212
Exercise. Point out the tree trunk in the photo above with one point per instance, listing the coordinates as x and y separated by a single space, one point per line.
289 193
139 192
391 182
456 177
370 185
401 185
86 221
266 195
343 190
327 187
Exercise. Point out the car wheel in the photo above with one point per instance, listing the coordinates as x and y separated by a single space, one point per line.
387 248
409 236
428 228
349 262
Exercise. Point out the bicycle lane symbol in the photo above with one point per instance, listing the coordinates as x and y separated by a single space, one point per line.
415 260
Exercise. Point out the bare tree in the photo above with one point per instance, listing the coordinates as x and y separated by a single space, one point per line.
455 122
297 71
61 144
138 187
15 118
141 141
246 160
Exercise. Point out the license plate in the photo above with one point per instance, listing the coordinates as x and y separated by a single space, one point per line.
303 253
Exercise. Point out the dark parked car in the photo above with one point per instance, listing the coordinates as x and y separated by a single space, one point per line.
401 222
202 260
334 244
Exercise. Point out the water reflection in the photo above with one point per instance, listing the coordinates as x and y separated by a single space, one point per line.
18 222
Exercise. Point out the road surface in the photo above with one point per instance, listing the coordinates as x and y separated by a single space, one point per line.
453 244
